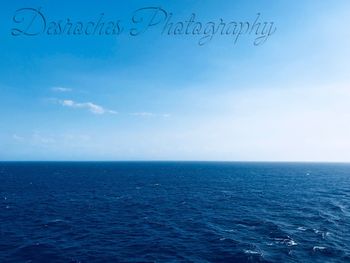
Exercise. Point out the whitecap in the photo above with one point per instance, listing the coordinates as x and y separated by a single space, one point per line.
317 231
325 234
315 248
301 228
287 241
292 243
248 251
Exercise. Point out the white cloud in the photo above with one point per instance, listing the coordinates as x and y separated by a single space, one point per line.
17 137
61 89
149 114
93 108
166 115
39 139
142 114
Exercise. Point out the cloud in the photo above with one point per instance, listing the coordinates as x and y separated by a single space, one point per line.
149 114
165 115
93 108
17 137
142 114
61 89
34 139
37 138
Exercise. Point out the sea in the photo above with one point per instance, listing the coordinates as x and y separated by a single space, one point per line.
174 212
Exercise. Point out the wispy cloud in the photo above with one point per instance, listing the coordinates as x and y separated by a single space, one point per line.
17 137
38 138
93 108
35 138
61 89
44 139
142 114
149 114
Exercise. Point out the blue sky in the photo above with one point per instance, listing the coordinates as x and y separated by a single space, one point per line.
164 97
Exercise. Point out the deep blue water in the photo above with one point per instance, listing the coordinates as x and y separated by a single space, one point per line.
174 212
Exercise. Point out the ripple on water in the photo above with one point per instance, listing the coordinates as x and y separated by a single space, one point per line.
39 252
183 212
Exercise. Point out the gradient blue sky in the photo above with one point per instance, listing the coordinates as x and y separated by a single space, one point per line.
158 97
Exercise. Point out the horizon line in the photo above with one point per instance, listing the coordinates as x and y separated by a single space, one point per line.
173 161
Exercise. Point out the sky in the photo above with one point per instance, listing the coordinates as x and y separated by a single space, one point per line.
166 96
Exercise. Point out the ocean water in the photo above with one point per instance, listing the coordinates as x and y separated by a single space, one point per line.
174 212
